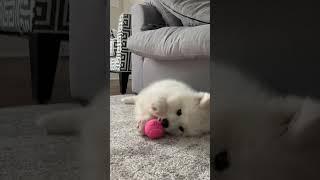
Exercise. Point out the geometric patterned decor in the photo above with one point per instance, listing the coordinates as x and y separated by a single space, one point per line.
113 33
16 15
41 16
113 47
113 42
122 62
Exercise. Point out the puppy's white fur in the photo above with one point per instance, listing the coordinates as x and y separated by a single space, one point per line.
162 99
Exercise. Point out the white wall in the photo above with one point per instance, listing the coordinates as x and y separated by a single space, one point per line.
128 3
116 8
15 46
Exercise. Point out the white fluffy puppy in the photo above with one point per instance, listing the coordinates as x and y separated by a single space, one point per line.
181 109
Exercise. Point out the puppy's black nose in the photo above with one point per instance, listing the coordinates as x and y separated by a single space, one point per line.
165 123
221 161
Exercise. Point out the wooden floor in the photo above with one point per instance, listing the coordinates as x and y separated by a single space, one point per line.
115 87
15 83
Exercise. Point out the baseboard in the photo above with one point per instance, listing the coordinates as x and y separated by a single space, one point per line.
115 76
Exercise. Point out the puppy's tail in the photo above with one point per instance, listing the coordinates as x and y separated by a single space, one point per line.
129 100
63 122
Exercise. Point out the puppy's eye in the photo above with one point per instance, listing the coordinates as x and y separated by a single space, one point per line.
179 112
181 128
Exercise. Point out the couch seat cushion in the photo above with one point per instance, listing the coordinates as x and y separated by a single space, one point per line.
172 43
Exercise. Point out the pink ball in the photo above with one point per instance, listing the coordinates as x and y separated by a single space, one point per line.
153 129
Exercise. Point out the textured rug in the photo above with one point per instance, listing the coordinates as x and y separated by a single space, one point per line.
27 153
136 157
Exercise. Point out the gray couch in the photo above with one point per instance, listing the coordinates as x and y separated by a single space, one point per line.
169 45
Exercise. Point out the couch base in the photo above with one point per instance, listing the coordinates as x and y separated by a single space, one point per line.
195 72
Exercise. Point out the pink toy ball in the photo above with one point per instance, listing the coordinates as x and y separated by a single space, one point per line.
153 129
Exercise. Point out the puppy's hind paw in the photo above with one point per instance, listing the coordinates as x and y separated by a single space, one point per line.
64 122
129 100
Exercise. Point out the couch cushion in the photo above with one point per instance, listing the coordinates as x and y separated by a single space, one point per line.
190 12
172 43
168 17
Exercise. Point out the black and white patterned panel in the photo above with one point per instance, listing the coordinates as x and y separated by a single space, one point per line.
113 42
113 47
122 62
51 16
42 16
16 15
113 33
63 18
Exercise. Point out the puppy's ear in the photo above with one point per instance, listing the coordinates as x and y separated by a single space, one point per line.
204 99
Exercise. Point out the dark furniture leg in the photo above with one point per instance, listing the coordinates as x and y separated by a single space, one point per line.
44 53
123 76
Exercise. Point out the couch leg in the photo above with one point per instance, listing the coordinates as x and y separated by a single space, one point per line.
123 76
44 53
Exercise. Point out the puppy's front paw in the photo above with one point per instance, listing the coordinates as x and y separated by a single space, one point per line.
140 126
158 107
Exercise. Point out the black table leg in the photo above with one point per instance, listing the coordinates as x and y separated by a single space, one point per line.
123 77
44 53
